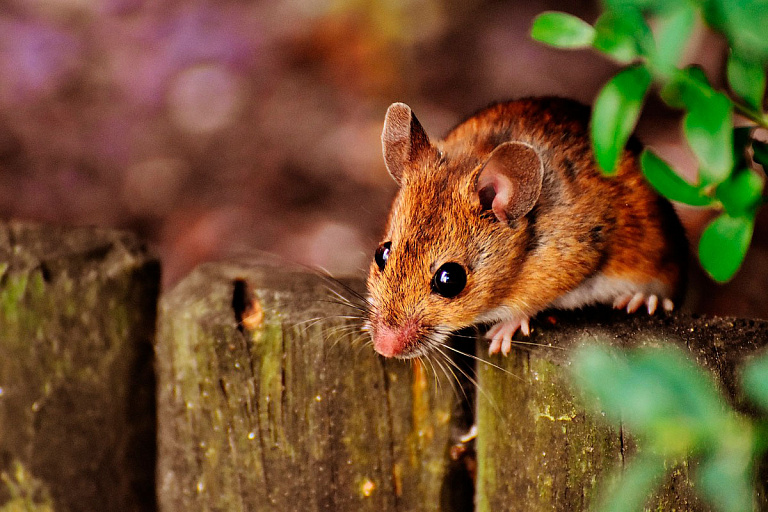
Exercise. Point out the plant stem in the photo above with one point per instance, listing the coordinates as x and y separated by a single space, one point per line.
756 117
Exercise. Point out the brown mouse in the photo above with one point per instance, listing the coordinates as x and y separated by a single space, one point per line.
509 215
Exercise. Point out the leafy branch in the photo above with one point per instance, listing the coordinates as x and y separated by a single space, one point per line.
731 161
676 412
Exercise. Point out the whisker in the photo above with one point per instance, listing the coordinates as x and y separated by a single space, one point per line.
342 332
515 342
336 298
454 379
432 366
481 360
440 365
333 281
473 381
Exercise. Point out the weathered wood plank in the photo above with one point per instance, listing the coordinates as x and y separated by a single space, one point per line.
77 395
538 450
288 413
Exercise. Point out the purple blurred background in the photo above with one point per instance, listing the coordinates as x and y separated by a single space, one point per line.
219 128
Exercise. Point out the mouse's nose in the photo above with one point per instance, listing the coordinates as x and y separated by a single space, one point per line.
397 341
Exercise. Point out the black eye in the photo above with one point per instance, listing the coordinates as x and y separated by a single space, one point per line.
449 280
382 254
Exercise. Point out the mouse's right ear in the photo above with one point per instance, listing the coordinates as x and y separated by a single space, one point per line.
509 183
403 140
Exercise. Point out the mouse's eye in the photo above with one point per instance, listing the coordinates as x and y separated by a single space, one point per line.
382 255
449 280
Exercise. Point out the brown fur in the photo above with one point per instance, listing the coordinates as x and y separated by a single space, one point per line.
582 224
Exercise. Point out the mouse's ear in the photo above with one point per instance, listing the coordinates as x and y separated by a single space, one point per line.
509 183
402 139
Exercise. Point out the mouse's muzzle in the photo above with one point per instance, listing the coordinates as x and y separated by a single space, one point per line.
398 341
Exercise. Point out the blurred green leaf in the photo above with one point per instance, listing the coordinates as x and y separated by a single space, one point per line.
615 113
708 129
725 476
707 124
741 192
754 378
724 244
687 86
659 394
697 402
668 183
630 493
673 30
625 36
604 376
743 22
652 6
747 79
562 30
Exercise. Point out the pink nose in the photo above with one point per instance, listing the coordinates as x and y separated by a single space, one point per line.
395 342
387 342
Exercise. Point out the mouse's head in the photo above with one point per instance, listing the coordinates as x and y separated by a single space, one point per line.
454 233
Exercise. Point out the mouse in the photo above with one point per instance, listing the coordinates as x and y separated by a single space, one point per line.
509 215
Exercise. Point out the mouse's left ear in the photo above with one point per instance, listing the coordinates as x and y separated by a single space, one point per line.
509 182
403 140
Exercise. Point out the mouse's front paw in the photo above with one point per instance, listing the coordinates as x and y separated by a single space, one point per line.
633 301
501 335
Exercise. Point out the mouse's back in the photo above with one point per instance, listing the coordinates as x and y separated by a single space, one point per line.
505 216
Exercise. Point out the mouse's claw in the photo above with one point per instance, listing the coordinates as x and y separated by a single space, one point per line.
632 302
501 335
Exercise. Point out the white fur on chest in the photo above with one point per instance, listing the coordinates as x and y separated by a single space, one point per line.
598 289
601 289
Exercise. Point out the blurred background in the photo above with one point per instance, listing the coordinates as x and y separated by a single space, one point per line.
217 128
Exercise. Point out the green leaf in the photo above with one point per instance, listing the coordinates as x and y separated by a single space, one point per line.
615 113
652 6
562 30
697 409
708 127
723 245
708 124
725 477
660 394
754 378
631 491
687 86
625 36
673 31
747 79
668 183
743 22
603 375
741 193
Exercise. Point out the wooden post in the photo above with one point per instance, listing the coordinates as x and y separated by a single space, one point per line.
537 448
270 400
77 319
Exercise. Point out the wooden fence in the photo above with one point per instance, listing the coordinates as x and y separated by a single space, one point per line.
269 398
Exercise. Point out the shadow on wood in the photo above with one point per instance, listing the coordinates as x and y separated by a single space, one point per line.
77 394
